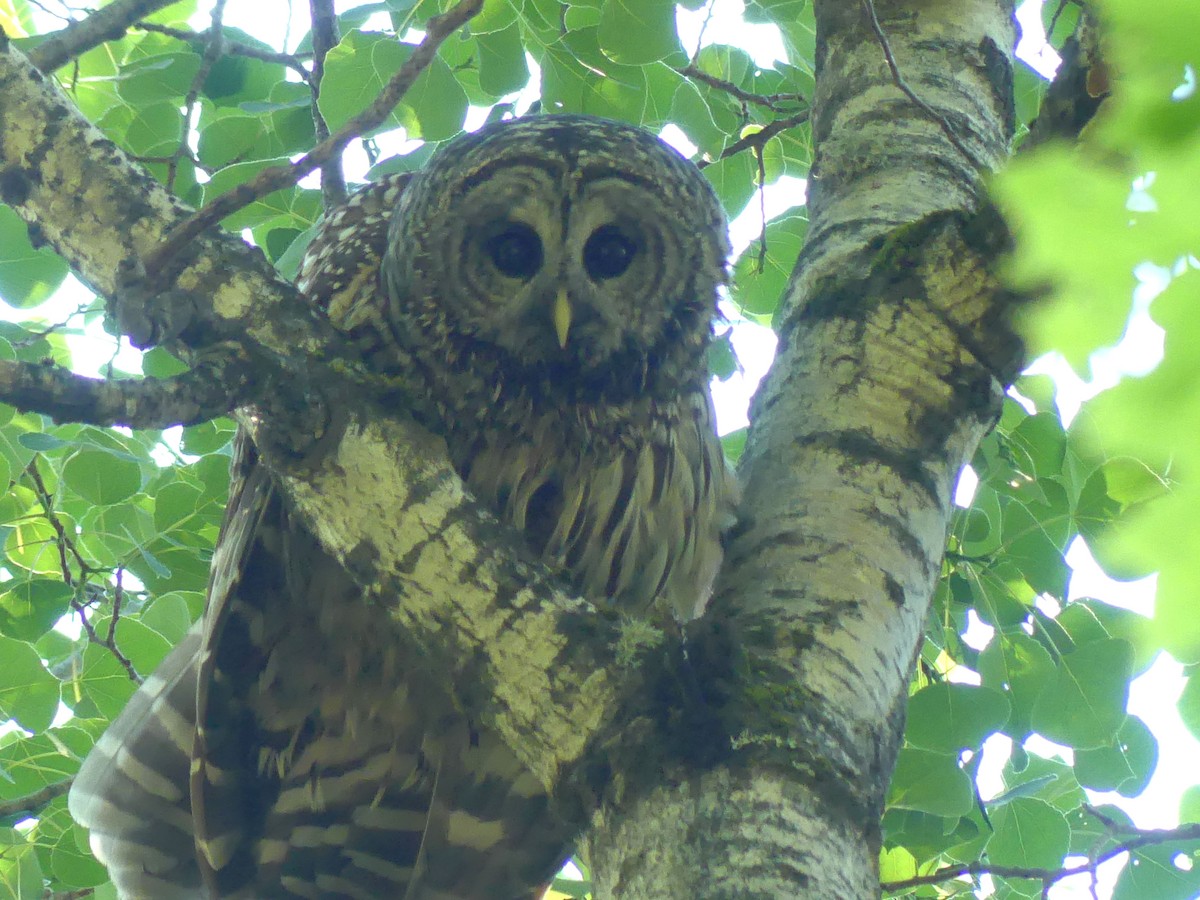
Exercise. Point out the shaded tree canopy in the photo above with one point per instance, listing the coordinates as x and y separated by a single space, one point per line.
879 620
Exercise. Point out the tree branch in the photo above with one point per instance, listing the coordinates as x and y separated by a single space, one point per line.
109 23
33 803
769 101
324 39
293 61
1048 877
214 386
1079 88
756 140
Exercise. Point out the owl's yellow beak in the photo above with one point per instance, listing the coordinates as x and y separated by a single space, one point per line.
562 317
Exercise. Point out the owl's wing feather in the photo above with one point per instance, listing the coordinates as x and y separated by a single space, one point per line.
131 792
327 763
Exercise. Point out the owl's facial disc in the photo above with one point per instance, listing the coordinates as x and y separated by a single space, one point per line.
556 268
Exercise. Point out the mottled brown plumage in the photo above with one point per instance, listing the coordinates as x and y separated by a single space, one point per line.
548 285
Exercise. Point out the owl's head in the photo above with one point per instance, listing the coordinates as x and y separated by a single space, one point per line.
561 243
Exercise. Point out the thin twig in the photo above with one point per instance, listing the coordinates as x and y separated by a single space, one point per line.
759 138
898 79
108 23
66 544
33 803
279 177
217 383
324 39
294 61
770 101
1147 838
80 584
212 52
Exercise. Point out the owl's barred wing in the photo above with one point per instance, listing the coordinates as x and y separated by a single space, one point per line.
328 764
131 792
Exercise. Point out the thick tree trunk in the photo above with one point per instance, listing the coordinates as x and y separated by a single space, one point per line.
893 355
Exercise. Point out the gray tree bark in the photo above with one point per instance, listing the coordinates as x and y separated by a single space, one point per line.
893 357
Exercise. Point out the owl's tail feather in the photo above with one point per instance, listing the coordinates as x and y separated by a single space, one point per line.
131 792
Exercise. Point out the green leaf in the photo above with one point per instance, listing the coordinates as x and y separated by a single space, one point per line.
104 681
733 180
102 478
229 139
502 66
28 609
1163 872
158 77
1125 765
636 32
1088 620
1020 667
496 15
1189 704
930 782
20 870
1036 535
1084 705
33 545
362 63
31 763
1030 834
41 441
160 363
951 717
759 281
1189 804
27 276
28 693
62 847
207 437
169 616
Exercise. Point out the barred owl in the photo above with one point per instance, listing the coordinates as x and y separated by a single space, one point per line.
549 284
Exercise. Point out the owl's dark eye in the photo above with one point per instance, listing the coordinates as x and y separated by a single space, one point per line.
608 252
516 250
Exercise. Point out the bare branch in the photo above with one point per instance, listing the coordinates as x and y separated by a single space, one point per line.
757 140
770 101
212 388
32 803
81 584
109 23
213 48
324 39
1145 838
293 61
